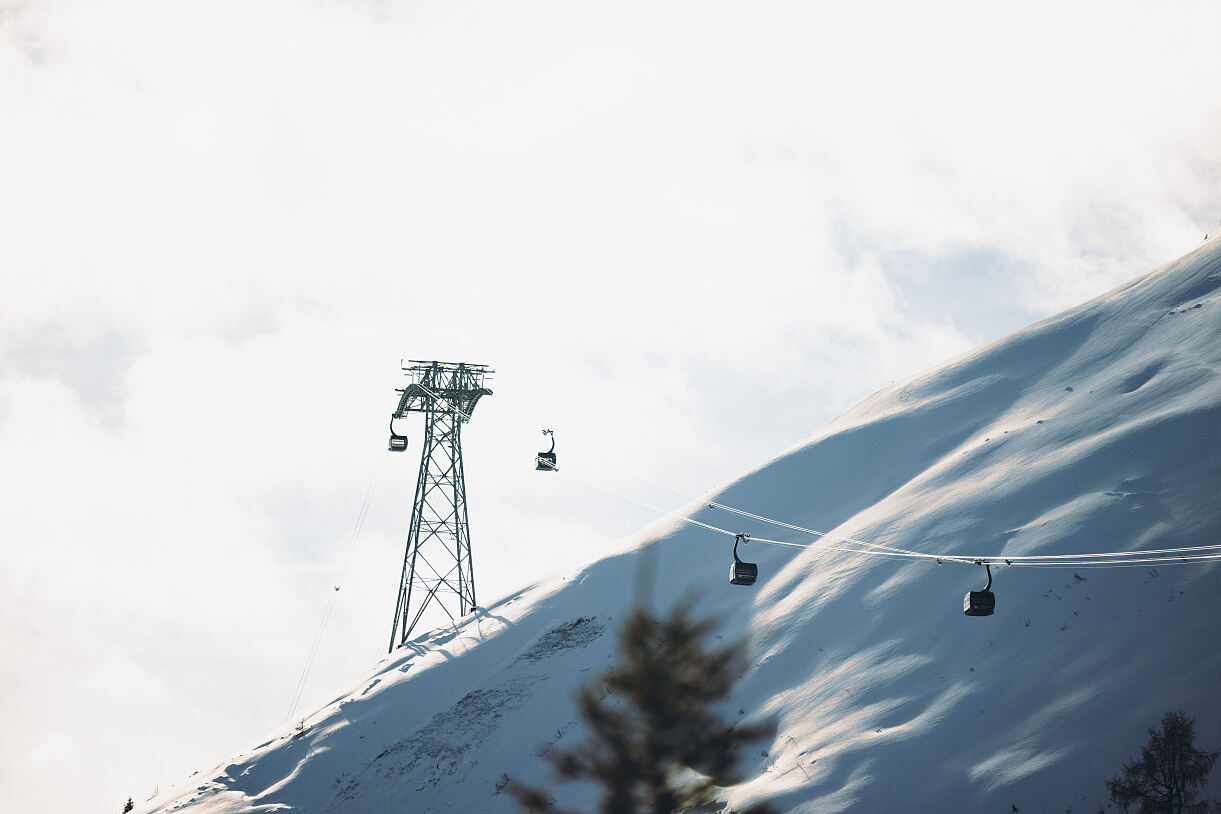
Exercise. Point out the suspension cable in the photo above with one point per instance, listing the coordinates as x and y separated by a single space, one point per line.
340 575
852 545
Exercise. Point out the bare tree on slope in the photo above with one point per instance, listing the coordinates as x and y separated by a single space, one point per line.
1170 773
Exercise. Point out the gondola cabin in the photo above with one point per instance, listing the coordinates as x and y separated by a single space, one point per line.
979 603
545 461
398 443
743 573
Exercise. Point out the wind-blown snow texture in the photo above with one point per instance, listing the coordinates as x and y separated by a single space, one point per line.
1095 430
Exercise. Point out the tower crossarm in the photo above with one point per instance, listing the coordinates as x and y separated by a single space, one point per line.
443 386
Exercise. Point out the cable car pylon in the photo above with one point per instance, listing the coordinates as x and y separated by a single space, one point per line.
437 565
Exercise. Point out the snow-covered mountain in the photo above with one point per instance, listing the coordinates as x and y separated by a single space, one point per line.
1097 430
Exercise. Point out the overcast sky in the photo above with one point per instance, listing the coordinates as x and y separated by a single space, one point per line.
684 234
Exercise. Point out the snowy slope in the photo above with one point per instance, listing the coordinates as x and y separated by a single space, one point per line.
1096 430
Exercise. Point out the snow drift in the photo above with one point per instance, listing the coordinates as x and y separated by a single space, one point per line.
1096 430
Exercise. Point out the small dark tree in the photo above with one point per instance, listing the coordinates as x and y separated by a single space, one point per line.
1170 773
656 745
130 805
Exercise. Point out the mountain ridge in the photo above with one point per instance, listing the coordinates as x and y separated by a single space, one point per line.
1095 430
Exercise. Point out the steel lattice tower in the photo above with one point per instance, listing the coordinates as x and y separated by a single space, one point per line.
437 564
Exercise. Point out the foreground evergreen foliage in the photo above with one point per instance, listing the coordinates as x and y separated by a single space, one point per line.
1170 773
656 745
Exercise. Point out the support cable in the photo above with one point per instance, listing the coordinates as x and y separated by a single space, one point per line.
340 575
1113 559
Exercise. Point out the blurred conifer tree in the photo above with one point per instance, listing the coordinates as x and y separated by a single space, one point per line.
656 744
